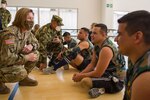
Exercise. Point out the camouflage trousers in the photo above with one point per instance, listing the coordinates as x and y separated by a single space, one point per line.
16 73
51 52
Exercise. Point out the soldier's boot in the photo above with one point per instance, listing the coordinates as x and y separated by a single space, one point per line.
95 92
49 70
28 82
66 67
4 89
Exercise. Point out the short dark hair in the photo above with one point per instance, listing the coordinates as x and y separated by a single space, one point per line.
85 29
102 26
66 34
137 21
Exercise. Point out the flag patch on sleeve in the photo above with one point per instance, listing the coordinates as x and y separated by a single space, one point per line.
9 41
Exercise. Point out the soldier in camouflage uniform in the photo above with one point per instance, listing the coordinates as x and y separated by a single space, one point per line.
4 14
134 41
101 74
50 40
18 51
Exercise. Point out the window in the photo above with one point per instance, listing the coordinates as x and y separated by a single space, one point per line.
117 15
69 17
43 16
35 10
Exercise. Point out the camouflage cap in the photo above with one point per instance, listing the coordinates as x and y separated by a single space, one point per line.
58 19
3 1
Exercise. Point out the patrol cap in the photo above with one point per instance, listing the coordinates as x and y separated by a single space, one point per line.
3 1
58 19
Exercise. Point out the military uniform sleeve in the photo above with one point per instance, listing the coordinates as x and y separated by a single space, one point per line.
59 34
32 40
9 54
9 17
42 45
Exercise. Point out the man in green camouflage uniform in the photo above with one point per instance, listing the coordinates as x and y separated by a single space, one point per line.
101 75
134 41
4 14
18 51
50 40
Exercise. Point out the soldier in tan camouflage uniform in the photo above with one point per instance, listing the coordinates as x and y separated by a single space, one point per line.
50 40
18 51
4 14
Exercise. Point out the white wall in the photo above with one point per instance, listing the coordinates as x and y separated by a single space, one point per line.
131 5
107 13
89 11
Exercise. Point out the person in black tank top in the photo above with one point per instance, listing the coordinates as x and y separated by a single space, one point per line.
134 41
100 76
79 56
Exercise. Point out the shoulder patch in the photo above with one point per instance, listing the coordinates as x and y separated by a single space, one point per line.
9 41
